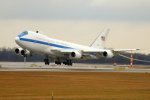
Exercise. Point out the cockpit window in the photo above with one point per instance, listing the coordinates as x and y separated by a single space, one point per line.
23 34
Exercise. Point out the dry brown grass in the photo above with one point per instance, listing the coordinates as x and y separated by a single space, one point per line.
74 86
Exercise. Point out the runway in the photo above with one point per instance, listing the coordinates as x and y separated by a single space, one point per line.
39 66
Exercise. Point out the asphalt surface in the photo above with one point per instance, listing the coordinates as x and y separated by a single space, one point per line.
34 66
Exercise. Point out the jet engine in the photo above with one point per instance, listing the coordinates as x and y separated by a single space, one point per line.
18 50
25 52
108 54
76 55
22 52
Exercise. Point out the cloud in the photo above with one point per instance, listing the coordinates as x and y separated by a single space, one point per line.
124 10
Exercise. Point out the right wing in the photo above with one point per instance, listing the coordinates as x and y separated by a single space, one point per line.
91 54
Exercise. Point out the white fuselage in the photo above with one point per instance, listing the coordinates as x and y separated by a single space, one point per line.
42 44
32 42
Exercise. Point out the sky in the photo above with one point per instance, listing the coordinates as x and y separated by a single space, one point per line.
78 21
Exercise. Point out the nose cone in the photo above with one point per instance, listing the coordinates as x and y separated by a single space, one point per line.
17 40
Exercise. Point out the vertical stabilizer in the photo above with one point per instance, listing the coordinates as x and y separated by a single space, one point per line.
99 42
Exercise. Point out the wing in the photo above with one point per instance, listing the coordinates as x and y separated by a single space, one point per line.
68 52
90 54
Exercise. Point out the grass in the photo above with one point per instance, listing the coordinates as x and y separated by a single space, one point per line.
74 86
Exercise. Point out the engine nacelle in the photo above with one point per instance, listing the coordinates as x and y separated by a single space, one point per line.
76 55
18 50
25 52
108 54
22 52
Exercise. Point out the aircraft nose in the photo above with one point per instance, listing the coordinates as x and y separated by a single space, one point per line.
17 39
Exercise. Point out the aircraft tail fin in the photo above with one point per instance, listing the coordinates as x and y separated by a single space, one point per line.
99 42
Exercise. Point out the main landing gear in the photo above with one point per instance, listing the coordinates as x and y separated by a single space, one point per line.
68 62
58 62
46 60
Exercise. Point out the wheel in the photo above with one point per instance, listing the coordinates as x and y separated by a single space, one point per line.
58 62
46 61
69 62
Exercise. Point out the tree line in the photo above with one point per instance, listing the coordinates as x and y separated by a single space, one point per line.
8 54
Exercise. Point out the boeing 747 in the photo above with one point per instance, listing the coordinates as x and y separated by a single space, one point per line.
62 51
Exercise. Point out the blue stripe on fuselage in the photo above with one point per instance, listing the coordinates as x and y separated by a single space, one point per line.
45 43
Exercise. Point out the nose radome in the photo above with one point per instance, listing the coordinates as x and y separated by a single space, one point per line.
17 39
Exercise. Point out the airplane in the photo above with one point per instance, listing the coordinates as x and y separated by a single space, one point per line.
63 52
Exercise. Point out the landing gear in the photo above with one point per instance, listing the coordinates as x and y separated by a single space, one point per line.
46 60
68 62
58 62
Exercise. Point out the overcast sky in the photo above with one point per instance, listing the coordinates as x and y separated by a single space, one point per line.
78 21
76 9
